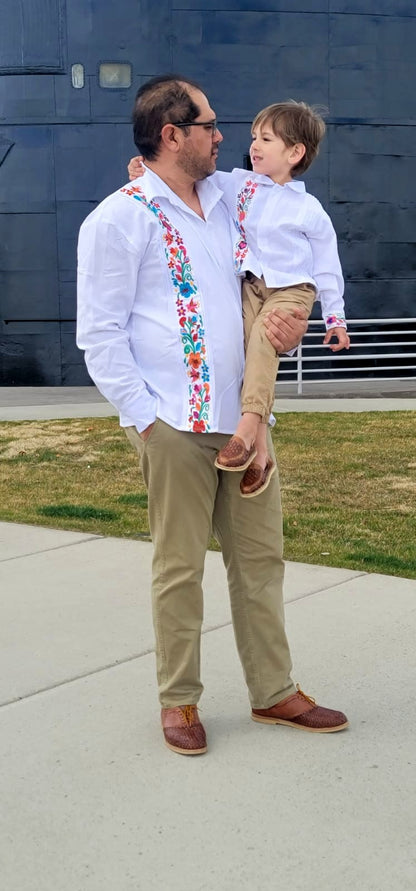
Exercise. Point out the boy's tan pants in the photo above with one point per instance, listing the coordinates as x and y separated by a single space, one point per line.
261 360
189 498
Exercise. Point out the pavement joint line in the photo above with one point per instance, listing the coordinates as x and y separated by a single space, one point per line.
69 544
73 680
357 575
148 652
79 677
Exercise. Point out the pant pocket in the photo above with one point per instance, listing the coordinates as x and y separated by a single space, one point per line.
134 439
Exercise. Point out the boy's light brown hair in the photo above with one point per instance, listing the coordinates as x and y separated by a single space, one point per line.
294 122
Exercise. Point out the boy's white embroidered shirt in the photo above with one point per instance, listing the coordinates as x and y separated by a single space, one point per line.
148 355
284 234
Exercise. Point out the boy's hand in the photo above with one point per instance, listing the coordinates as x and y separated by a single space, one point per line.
135 167
285 330
341 336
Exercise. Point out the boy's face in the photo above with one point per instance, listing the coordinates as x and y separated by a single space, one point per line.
271 157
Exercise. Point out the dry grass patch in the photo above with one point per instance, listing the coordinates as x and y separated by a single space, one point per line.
34 438
348 484
70 474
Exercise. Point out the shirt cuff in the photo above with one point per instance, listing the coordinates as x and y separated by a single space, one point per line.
334 322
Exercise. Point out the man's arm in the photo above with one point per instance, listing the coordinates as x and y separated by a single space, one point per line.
285 330
108 267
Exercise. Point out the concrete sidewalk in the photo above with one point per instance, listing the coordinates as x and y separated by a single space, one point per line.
43 403
91 799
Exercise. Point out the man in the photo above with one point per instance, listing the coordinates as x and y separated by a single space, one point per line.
160 322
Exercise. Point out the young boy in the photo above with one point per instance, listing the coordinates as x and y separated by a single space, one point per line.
286 247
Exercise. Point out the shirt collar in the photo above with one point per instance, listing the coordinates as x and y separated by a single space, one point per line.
295 184
154 187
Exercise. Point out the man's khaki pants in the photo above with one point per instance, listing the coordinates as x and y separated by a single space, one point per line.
189 498
261 360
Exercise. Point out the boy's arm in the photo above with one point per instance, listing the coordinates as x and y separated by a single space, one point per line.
327 273
221 178
326 267
135 167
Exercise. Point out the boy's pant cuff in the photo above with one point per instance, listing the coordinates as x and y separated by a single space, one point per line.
257 409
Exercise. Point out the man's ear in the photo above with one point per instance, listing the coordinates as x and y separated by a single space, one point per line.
170 138
297 153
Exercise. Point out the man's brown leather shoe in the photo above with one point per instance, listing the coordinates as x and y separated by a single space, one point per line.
234 455
301 711
183 730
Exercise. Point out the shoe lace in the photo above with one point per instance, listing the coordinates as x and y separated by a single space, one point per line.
188 713
308 698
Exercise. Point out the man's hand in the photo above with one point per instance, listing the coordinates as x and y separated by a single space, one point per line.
146 432
341 336
285 330
135 167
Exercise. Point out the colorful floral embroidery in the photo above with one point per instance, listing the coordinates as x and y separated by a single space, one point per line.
243 202
335 322
191 324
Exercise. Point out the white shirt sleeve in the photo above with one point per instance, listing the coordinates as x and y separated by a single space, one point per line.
221 179
108 267
327 272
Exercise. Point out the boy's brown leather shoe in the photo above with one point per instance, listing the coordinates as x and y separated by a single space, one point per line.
183 730
256 478
301 711
234 455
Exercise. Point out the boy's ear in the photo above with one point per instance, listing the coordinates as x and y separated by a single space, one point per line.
297 153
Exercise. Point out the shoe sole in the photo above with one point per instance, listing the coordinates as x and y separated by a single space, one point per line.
240 466
186 751
261 720
261 488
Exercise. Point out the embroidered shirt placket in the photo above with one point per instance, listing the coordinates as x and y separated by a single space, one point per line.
244 199
191 324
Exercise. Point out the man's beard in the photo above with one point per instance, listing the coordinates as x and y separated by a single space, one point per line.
197 168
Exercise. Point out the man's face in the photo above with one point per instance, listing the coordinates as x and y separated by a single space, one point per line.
198 157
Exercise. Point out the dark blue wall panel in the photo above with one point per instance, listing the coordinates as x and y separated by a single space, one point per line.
73 366
251 59
90 161
372 63
27 173
63 149
31 36
30 354
26 98
256 5
381 7
28 266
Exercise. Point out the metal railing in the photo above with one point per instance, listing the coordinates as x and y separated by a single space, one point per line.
372 341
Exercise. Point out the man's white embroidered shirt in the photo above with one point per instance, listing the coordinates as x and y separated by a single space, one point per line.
159 307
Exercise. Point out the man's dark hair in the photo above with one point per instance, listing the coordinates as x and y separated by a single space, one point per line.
162 100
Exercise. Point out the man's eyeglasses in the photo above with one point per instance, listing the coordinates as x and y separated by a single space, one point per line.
209 125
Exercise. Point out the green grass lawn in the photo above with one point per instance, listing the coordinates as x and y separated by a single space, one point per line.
348 484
